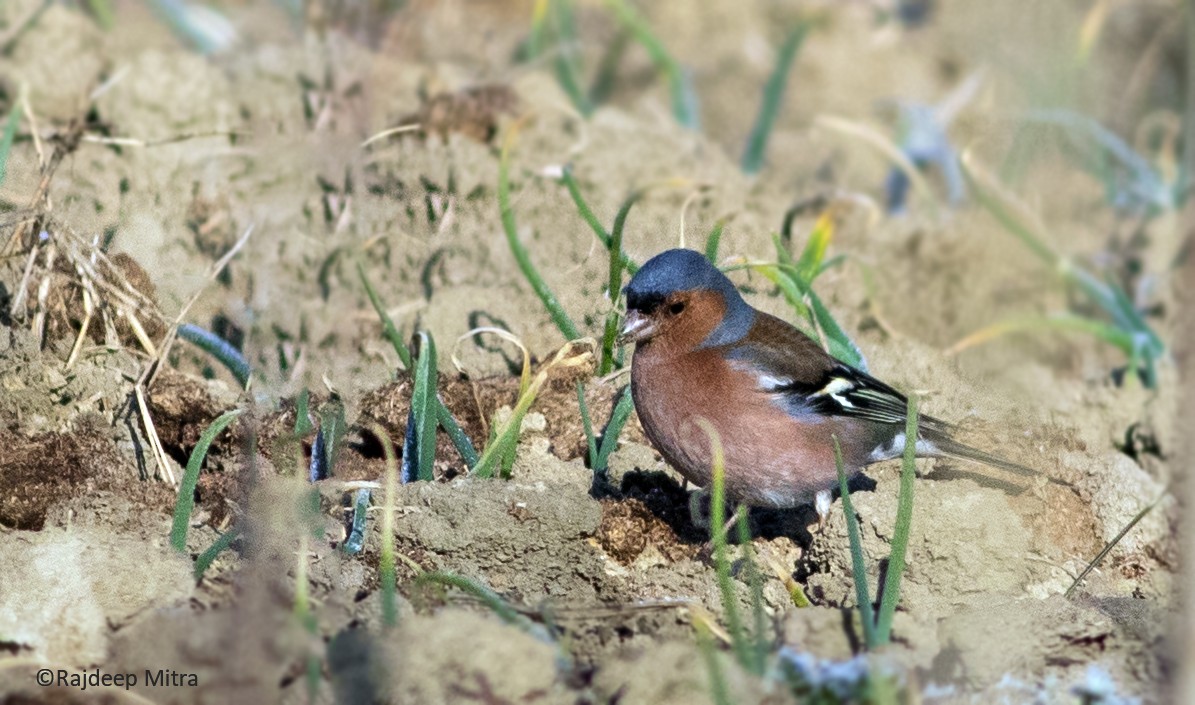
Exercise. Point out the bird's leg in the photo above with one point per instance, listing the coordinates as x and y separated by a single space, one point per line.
700 518
821 504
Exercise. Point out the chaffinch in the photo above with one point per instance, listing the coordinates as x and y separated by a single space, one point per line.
772 394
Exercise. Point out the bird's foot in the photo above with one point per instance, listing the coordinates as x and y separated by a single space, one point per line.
821 504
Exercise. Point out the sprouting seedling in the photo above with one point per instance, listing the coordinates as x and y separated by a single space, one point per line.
185 503
419 446
599 454
795 280
1132 183
217 347
505 438
680 86
877 624
555 310
356 538
328 440
751 651
773 97
205 559
1125 328
553 21
387 575
460 441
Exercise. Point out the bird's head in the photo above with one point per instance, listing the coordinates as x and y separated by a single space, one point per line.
678 295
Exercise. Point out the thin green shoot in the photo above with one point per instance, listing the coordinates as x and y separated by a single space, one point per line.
10 131
606 75
509 226
567 61
388 327
102 11
332 428
614 283
858 567
1099 558
460 440
488 597
680 88
387 575
423 408
356 539
185 503
217 347
758 664
504 440
773 96
713 241
538 39
743 649
618 419
205 559
586 213
1143 344
305 616
705 644
463 445
900 535
303 424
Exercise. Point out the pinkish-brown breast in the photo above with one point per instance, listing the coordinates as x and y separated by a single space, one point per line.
772 458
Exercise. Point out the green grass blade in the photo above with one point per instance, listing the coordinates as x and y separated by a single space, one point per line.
10 132
537 40
217 347
567 62
424 408
303 413
186 490
460 441
709 654
205 559
684 102
618 419
356 539
810 263
840 344
734 623
1056 323
550 302
858 568
388 327
488 597
574 190
614 283
759 650
773 96
900 535
606 76
714 240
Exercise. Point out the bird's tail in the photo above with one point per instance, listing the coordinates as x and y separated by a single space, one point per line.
945 445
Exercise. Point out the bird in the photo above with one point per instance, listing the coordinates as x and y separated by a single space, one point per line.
774 397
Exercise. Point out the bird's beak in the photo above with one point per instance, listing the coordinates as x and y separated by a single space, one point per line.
635 327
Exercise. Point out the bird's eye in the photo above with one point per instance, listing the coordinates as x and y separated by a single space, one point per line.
676 307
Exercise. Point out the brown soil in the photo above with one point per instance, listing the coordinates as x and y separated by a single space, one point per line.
607 575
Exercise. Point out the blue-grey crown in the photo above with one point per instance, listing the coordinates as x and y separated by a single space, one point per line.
686 270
